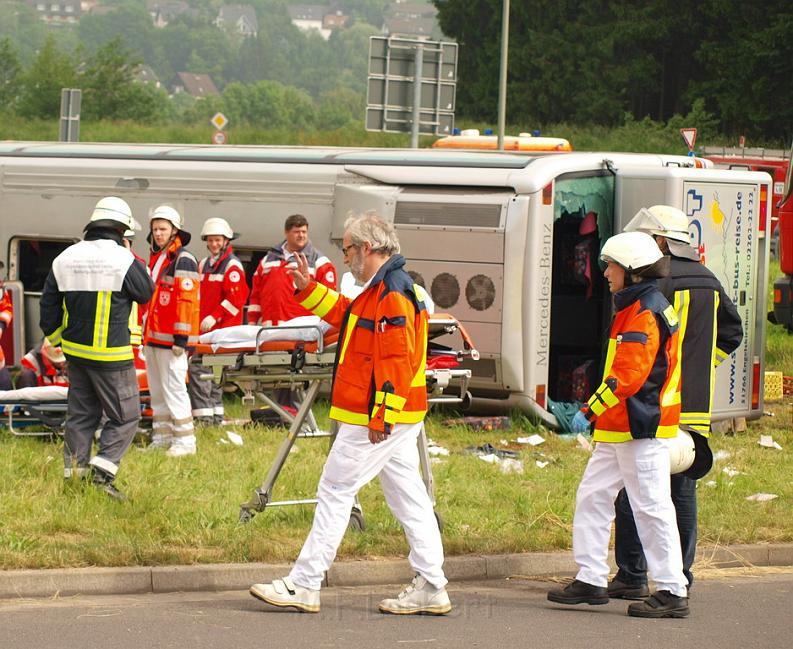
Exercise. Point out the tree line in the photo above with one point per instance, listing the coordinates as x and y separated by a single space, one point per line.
596 61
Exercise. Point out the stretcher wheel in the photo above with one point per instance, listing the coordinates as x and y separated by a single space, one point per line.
356 521
246 515
439 519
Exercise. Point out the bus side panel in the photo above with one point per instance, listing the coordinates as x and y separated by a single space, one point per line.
724 225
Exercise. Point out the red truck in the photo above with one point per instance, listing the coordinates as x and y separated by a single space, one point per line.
783 286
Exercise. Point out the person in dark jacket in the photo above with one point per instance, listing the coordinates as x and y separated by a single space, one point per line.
85 308
710 330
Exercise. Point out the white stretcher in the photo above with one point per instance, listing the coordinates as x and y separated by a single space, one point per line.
304 366
34 411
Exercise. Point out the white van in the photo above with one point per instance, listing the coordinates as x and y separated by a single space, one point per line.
508 243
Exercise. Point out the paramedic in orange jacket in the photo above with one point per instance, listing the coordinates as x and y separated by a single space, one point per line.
170 331
379 398
223 295
635 411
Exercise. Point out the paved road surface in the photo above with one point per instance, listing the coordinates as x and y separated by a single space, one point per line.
728 612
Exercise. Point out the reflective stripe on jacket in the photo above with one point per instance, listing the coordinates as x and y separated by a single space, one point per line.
172 318
87 298
382 340
271 300
710 330
640 394
223 289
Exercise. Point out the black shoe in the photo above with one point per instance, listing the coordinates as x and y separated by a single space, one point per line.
104 482
217 420
620 590
579 592
203 421
660 604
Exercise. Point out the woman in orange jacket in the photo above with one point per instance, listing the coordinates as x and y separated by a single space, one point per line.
635 412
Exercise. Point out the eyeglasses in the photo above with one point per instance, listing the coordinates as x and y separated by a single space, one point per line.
346 249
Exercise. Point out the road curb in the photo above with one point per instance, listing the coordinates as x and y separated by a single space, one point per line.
216 577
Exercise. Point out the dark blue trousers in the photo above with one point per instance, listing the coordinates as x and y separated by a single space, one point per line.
628 550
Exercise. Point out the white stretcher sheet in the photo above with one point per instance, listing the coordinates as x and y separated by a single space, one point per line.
37 394
301 329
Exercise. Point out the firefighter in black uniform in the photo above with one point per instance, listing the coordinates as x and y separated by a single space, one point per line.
710 330
85 308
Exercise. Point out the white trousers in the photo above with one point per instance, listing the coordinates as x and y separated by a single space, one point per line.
642 467
353 461
170 402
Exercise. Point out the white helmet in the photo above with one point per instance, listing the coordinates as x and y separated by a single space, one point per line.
218 226
663 220
634 251
115 209
130 234
167 213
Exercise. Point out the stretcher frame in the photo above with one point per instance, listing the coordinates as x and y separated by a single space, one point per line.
259 371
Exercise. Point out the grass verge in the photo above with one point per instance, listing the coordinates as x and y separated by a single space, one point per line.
185 511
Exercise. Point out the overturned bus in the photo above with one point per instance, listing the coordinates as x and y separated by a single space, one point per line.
508 243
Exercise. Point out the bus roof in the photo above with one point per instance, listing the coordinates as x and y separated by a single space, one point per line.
266 154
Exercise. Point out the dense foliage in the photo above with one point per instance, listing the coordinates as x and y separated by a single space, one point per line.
593 61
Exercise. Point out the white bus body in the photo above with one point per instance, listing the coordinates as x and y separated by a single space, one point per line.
502 241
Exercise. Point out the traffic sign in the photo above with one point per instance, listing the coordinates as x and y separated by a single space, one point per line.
219 120
690 136
219 137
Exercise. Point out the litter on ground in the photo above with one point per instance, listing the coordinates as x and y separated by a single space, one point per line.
761 498
534 440
767 441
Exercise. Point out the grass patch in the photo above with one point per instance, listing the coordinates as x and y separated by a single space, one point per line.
185 511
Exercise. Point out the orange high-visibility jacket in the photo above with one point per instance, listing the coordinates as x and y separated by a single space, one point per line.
382 340
172 317
640 394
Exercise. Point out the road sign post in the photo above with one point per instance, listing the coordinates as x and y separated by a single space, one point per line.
71 98
411 86
690 137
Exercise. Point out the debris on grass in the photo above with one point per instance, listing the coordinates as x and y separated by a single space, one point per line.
721 455
731 473
534 440
540 464
481 423
583 442
710 483
234 438
767 441
761 497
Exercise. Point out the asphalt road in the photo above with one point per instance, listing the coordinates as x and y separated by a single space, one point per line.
728 611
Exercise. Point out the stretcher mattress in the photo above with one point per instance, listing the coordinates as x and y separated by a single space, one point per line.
34 395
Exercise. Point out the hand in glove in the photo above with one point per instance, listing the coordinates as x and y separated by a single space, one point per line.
580 423
177 351
207 324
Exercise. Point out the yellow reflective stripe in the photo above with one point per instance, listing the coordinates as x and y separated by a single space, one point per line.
596 406
135 331
347 335
720 356
714 361
123 353
348 416
616 436
326 305
609 397
420 378
409 416
391 400
611 351
102 318
315 297
55 336
391 417
671 395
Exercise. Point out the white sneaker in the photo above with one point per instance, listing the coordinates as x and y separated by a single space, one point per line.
182 446
159 441
285 594
419 597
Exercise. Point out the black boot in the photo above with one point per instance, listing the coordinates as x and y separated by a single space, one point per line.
620 590
660 604
104 482
579 592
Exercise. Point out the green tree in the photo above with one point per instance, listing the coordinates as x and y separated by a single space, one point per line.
110 90
51 71
10 76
